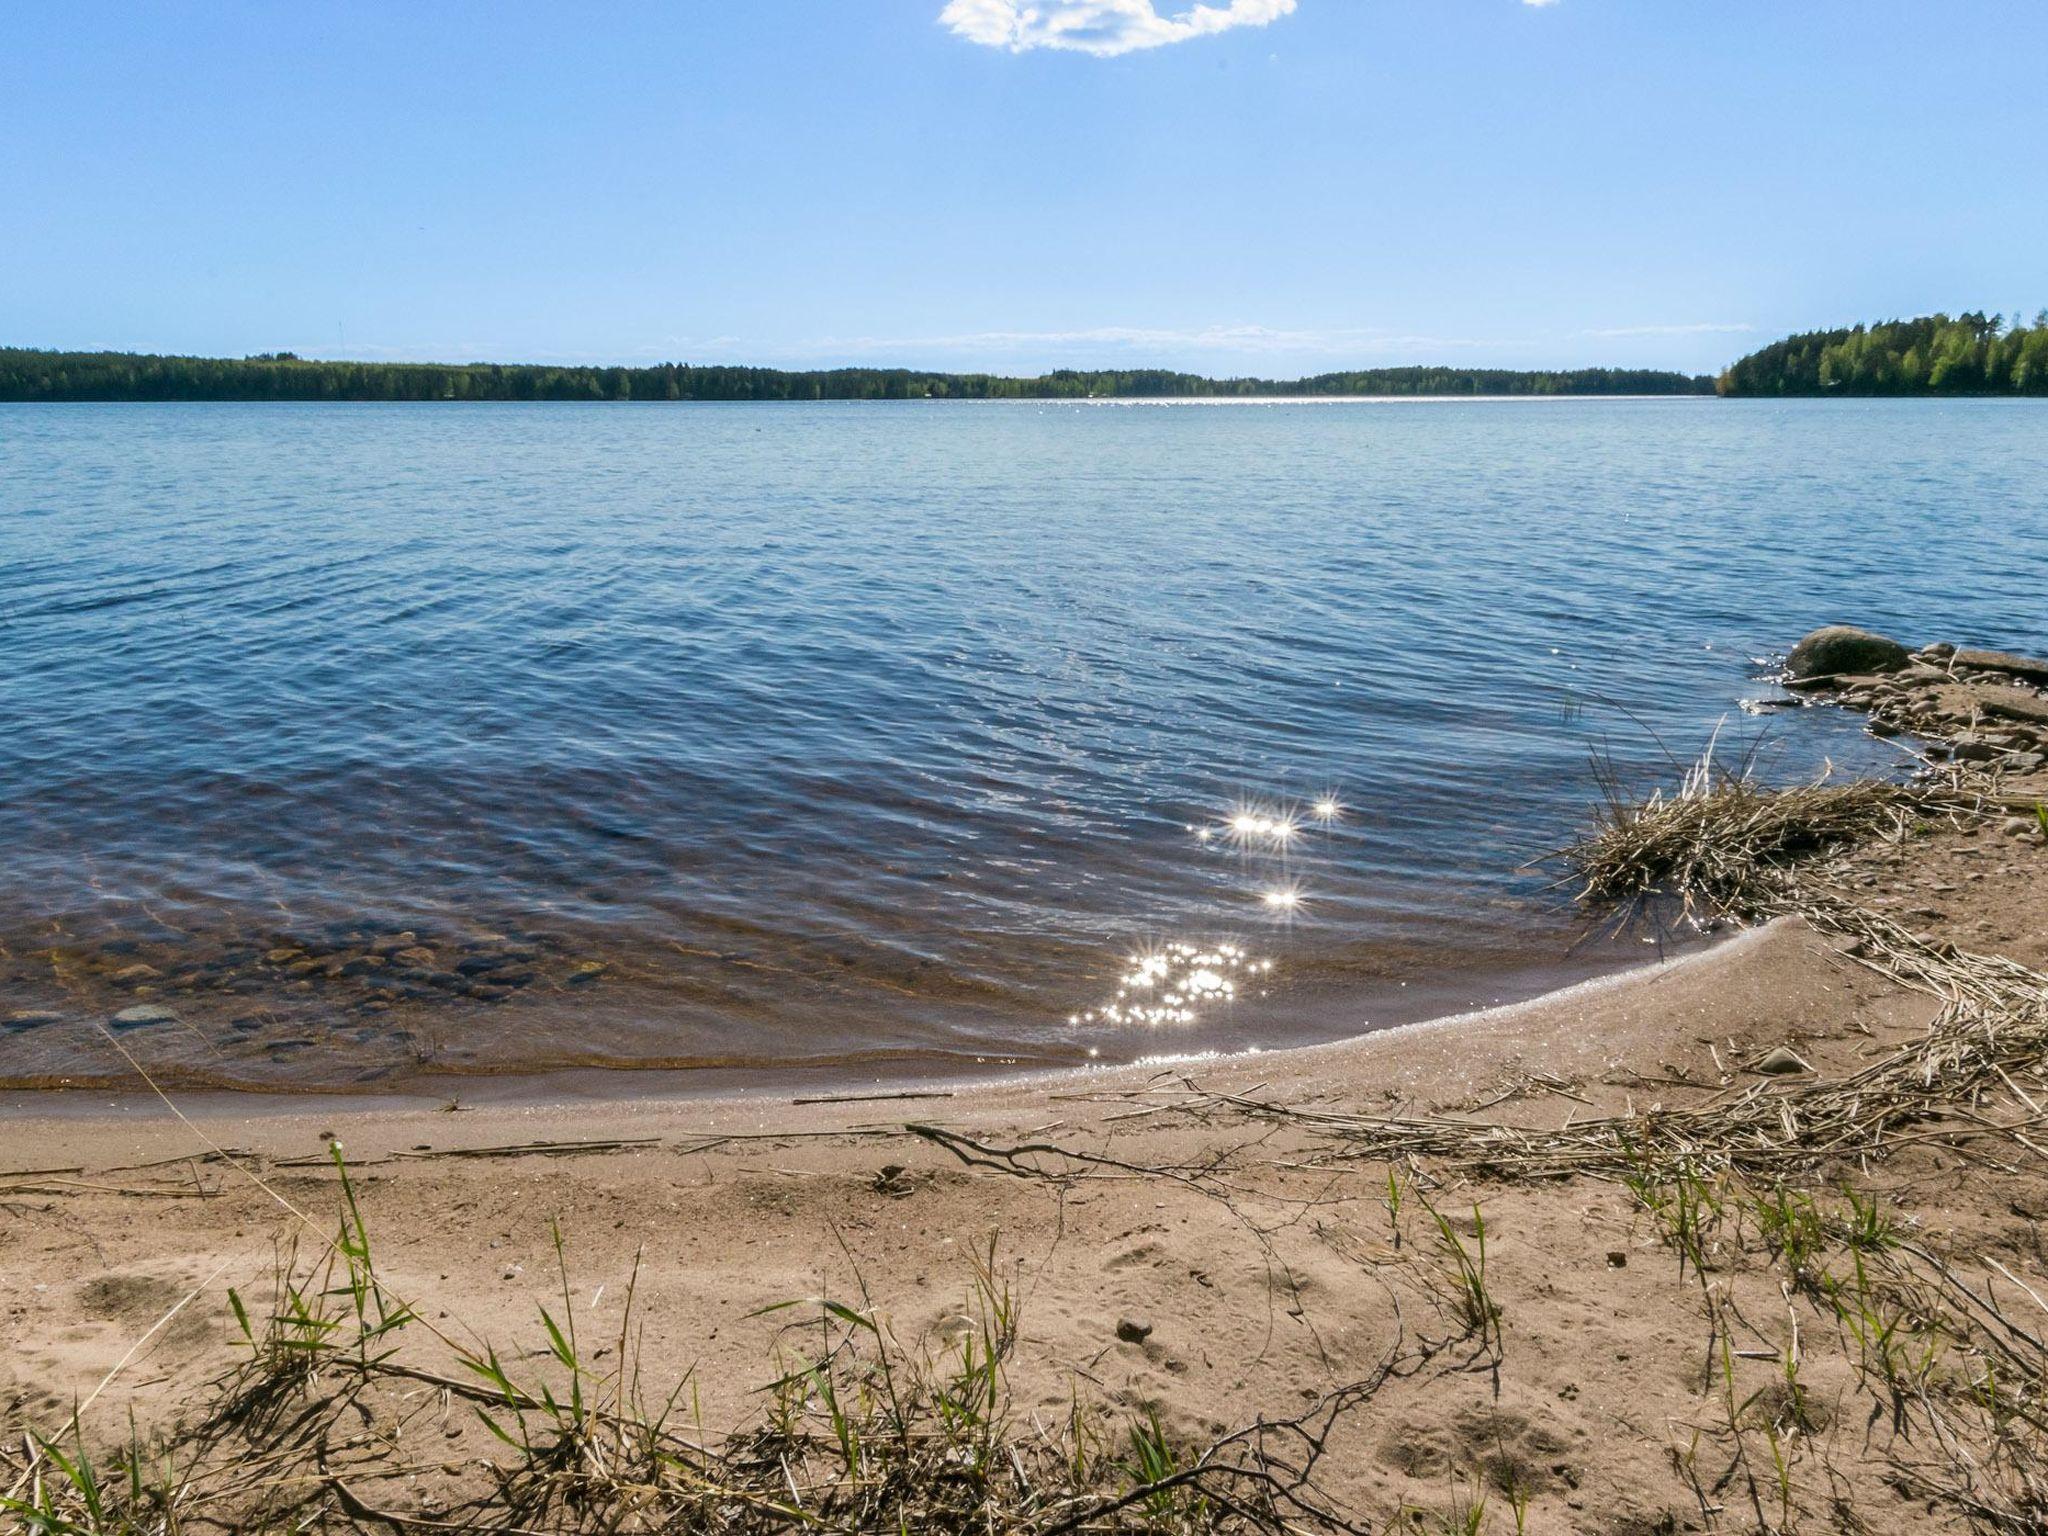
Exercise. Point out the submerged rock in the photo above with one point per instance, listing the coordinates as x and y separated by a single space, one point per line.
1843 649
143 1014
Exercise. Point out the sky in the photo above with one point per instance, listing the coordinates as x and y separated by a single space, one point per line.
1268 187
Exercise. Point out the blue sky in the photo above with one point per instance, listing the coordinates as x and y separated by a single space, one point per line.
1250 186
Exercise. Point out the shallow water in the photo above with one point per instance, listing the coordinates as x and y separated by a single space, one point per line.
892 732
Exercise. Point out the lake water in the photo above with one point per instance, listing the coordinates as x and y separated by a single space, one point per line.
347 742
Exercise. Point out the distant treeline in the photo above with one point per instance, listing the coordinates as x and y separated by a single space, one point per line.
1973 354
26 374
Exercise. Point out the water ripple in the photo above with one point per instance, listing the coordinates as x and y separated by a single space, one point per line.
857 730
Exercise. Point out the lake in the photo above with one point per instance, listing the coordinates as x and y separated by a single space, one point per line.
349 742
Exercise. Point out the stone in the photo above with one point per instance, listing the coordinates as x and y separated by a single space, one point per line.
33 1018
478 965
1131 1331
283 956
1842 648
2019 826
2003 661
2013 704
1941 650
586 970
2026 762
1973 751
1781 1062
415 955
1617 1258
134 973
143 1014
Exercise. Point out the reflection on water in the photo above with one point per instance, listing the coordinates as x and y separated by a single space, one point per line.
351 741
1175 983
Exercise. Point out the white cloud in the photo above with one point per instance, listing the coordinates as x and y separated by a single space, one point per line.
1103 28
1539 2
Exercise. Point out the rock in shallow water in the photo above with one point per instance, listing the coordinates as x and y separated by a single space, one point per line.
144 1014
1842 648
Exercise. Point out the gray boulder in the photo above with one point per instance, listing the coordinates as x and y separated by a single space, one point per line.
1842 649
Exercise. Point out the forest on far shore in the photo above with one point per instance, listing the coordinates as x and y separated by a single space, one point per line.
1968 354
26 374
1972 354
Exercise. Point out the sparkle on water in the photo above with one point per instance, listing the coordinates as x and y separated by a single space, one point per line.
1252 827
1171 984
1175 982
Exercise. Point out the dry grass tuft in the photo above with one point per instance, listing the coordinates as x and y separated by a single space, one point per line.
1721 842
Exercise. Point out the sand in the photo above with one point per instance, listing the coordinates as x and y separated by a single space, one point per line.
1239 1297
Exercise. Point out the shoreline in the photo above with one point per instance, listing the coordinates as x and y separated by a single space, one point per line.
1320 1007
598 1089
